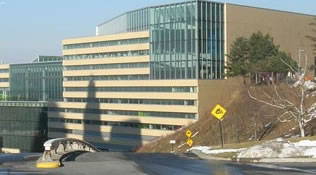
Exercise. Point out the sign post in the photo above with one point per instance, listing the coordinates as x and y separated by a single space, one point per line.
220 130
219 113
172 142
188 133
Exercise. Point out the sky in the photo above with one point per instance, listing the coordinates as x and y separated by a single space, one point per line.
29 28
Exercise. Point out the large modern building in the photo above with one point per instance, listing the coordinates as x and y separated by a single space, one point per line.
24 92
40 80
145 74
151 71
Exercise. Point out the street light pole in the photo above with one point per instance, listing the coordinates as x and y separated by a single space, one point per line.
299 56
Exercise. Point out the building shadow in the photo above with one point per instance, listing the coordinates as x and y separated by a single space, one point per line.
109 134
98 126
91 122
125 136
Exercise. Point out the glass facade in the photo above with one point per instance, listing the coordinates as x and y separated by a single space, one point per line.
23 125
134 21
41 81
186 39
42 59
4 93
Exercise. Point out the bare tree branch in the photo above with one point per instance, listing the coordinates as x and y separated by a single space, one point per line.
292 68
284 120
293 111
264 102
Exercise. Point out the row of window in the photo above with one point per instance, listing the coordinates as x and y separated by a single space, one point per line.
129 113
133 101
107 66
131 89
4 70
36 67
107 77
106 43
110 134
4 79
107 54
120 124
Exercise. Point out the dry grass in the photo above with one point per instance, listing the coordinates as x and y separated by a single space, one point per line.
244 118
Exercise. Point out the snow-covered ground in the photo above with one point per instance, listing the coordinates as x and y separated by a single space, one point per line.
278 148
209 150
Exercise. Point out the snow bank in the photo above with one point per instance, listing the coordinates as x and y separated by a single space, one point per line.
208 150
217 151
200 148
305 143
310 152
279 148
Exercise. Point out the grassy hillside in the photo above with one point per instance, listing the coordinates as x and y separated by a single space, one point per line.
246 120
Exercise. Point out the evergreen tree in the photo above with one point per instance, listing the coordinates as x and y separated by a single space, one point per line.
238 58
257 54
261 50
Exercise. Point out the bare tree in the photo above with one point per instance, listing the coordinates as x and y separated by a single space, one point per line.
301 108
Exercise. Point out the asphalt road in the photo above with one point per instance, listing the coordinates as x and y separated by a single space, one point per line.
116 163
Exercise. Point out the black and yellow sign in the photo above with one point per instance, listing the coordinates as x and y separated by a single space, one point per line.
219 112
190 142
188 133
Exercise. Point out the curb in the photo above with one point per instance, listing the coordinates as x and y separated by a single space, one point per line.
50 164
276 160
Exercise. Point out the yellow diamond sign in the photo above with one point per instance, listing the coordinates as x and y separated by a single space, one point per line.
218 112
188 133
190 142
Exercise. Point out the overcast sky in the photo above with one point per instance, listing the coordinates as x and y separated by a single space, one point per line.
29 28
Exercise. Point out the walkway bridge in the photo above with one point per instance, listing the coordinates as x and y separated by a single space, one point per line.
55 149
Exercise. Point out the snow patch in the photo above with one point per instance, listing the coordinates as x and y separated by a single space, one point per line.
280 148
209 150
200 148
277 148
310 152
305 143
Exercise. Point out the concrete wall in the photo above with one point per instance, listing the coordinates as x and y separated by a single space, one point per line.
215 92
287 29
